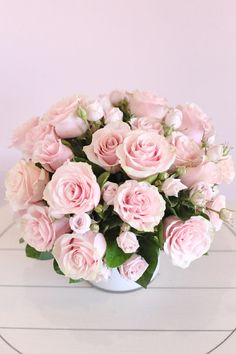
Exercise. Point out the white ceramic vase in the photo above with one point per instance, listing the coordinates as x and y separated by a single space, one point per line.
118 284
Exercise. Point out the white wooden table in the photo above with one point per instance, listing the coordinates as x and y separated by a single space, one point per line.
189 311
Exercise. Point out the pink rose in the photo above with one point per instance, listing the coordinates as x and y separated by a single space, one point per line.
128 242
104 100
215 153
174 118
39 230
73 189
51 153
139 204
147 123
94 111
116 96
20 133
80 256
113 115
210 172
187 241
147 104
188 152
218 203
201 193
109 191
226 169
143 154
207 172
102 150
25 184
172 187
26 136
195 123
80 223
63 116
133 268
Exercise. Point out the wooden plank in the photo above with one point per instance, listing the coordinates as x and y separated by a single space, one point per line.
18 270
194 309
5 217
74 342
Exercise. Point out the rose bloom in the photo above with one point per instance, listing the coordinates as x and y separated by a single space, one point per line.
226 168
207 172
133 268
218 203
80 256
105 102
195 123
20 133
109 191
25 184
147 104
201 193
139 204
187 241
128 242
174 118
102 150
51 153
27 135
172 186
113 115
147 123
73 189
210 172
94 111
116 96
188 152
143 154
39 230
80 223
215 153
63 116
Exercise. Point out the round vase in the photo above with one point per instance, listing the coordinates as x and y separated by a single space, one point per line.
116 283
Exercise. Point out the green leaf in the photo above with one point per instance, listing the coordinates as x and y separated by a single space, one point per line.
38 164
76 145
73 281
102 179
33 253
149 250
112 222
114 254
185 210
79 159
21 240
171 201
66 143
204 215
124 107
57 268
160 235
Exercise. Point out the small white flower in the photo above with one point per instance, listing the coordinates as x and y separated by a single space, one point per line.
172 187
174 118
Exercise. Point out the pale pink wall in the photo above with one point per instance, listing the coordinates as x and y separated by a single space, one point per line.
185 50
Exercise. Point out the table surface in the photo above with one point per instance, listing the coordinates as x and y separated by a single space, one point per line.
190 311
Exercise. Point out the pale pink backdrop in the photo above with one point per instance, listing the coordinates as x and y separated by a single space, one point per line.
185 50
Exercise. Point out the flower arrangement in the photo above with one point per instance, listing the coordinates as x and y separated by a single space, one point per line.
109 183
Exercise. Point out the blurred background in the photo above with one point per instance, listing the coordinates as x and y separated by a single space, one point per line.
184 50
